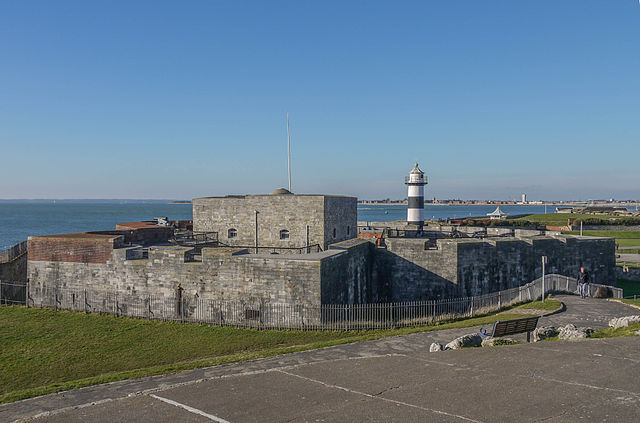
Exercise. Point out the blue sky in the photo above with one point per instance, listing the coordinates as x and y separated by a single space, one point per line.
157 99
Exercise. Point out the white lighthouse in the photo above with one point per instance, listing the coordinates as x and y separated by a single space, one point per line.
415 210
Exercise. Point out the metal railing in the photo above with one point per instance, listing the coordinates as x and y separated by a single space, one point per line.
262 315
13 293
315 248
13 252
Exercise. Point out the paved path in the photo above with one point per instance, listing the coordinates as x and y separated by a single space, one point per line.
391 379
631 258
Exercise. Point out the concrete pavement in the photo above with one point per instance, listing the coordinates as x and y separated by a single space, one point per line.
392 379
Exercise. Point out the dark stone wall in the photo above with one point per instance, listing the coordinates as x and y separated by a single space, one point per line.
223 274
406 271
496 265
347 277
14 270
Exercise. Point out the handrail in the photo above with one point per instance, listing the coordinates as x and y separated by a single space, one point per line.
13 252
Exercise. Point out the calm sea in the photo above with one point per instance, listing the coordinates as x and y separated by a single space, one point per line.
22 218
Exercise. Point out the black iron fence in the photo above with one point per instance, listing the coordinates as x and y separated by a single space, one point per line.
262 315
13 293
13 252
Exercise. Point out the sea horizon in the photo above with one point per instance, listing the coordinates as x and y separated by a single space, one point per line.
20 219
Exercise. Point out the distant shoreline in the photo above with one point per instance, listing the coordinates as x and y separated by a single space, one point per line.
179 202
466 205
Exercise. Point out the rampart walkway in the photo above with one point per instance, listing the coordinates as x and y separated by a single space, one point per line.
391 379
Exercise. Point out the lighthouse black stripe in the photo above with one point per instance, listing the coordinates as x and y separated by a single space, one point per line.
416 202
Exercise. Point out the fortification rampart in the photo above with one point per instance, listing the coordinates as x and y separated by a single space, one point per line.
352 271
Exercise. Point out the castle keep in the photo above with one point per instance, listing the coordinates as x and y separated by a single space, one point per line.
279 219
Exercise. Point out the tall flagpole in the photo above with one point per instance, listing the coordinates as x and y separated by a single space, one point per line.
288 151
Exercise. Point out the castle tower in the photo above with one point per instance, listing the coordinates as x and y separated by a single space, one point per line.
415 210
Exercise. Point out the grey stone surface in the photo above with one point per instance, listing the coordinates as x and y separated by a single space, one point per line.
407 271
544 332
469 340
619 322
571 332
391 379
434 347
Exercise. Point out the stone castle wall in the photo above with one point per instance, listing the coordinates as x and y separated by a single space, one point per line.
223 274
294 213
14 269
412 269
351 271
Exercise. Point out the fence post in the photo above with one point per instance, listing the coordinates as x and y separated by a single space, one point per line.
499 301
0 291
85 300
56 303
149 307
391 317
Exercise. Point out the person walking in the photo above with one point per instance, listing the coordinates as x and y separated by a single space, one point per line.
583 283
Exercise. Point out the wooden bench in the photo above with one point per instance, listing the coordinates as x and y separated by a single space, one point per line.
512 327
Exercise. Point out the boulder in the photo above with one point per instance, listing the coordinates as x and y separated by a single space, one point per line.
637 332
603 292
571 332
544 332
435 347
472 340
621 322
490 342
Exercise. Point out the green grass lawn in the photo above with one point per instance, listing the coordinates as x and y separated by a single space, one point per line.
632 301
623 238
548 304
629 287
608 234
559 219
44 351
627 242
612 333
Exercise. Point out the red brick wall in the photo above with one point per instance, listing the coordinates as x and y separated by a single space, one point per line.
78 250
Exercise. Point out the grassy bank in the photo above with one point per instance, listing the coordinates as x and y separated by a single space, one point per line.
548 305
635 302
613 333
629 288
558 219
44 351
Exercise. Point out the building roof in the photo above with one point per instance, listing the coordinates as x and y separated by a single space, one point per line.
281 191
139 225
80 235
497 212
241 197
417 170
